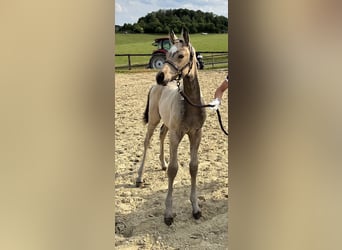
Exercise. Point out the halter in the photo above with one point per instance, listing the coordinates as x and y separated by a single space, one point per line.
189 63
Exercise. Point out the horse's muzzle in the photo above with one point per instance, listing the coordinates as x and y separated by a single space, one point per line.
160 78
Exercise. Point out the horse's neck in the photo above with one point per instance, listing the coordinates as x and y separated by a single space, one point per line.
193 116
192 88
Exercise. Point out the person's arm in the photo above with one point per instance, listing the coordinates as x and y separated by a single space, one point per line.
218 94
219 91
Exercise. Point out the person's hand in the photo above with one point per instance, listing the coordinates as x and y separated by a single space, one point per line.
216 102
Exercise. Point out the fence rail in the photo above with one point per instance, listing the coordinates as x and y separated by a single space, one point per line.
211 59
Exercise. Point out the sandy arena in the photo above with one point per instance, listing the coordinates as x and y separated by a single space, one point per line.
139 222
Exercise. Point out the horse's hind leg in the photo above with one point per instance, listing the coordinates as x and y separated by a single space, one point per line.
162 135
149 133
152 118
195 139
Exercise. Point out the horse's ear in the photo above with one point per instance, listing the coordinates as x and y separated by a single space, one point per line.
185 35
173 37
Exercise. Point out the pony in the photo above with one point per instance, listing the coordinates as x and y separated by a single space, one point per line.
164 102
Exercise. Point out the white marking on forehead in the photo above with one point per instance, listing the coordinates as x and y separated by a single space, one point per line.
173 49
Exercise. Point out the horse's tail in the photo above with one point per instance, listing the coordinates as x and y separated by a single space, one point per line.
145 118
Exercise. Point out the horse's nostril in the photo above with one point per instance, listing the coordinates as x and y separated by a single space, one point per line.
160 78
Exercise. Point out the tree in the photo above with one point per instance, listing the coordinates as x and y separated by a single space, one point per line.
137 28
162 21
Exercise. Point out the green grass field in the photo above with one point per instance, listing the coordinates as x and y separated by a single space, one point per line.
142 44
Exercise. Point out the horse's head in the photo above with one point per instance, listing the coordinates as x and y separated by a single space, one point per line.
180 59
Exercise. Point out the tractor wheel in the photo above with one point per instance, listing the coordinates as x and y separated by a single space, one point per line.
157 61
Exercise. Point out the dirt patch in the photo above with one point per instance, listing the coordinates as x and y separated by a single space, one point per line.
139 211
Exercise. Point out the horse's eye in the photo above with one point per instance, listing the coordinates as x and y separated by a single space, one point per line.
180 56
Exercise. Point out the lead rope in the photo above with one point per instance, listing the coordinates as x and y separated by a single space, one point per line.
201 106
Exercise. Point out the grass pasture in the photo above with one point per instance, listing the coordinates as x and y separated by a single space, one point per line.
142 44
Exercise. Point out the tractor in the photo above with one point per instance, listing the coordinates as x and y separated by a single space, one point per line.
158 57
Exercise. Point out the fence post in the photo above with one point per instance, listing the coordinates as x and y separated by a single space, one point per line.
129 62
212 60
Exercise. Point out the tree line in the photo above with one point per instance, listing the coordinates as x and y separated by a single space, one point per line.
162 21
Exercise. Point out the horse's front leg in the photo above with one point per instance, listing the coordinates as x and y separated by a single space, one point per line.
195 139
172 170
162 135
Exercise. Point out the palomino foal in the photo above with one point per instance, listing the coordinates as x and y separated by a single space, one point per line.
178 116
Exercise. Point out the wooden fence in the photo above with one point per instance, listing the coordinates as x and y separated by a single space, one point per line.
211 59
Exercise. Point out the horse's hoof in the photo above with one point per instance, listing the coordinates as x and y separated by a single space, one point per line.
164 168
168 221
197 215
139 184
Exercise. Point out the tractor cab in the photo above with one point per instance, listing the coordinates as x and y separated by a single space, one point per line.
162 44
159 55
